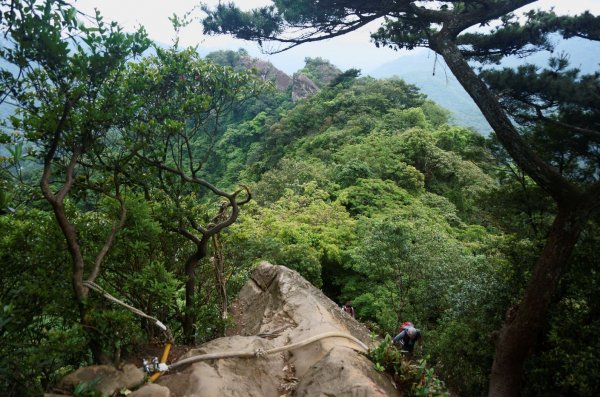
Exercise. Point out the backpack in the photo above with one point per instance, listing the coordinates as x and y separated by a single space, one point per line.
406 324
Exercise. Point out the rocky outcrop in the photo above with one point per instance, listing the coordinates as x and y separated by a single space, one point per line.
317 72
277 313
320 71
302 87
266 71
291 340
104 378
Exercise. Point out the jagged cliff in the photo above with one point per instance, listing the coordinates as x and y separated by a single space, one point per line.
292 340
300 84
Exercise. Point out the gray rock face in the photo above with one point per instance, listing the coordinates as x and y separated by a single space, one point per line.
326 377
278 308
302 87
266 71
328 73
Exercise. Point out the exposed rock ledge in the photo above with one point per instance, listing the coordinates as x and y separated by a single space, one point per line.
277 307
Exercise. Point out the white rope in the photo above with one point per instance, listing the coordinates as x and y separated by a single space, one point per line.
259 353
102 291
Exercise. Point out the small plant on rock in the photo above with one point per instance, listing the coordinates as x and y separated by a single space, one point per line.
417 380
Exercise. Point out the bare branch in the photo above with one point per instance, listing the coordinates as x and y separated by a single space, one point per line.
190 236
311 38
187 178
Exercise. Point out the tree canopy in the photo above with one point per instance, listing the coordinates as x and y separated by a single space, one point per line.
446 28
363 188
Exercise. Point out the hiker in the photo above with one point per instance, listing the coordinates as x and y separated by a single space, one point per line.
349 309
407 337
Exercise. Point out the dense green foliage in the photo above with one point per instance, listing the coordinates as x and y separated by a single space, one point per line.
417 379
557 148
362 188
374 197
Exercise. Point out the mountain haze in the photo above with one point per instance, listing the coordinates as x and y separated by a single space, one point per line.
431 75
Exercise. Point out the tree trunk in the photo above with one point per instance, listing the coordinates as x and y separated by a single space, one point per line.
547 177
93 336
218 262
190 293
518 335
191 264
77 275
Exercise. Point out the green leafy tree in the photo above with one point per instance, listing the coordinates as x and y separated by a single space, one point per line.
343 111
291 174
68 100
443 27
176 138
141 269
228 58
303 230
39 319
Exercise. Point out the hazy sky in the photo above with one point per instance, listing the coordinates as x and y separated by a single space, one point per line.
353 50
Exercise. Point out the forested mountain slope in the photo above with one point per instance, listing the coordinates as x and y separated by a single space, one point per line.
433 78
362 187
366 191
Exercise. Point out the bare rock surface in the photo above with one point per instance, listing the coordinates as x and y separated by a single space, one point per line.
302 87
107 379
278 308
151 390
291 341
267 71
325 378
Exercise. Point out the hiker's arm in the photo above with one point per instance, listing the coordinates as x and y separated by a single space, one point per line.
400 337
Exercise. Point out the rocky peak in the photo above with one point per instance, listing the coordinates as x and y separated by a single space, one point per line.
299 84
317 72
266 71
320 71
302 87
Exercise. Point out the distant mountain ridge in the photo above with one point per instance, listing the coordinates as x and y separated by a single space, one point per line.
430 73
434 79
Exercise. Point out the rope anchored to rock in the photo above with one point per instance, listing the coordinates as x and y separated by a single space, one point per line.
158 367
93 286
157 322
260 353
